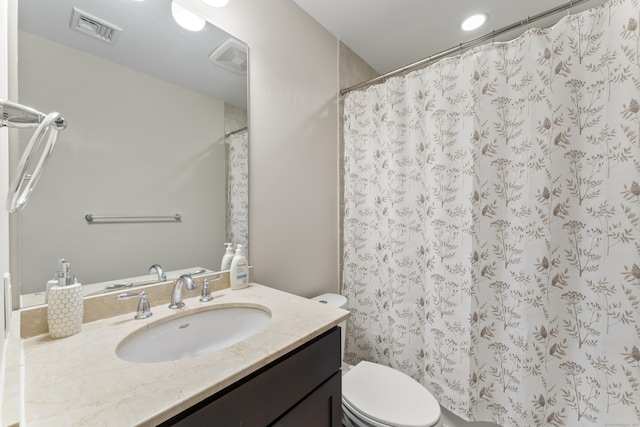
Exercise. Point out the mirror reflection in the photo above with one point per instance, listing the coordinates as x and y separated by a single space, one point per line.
157 120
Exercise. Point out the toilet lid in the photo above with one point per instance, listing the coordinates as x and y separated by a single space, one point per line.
332 300
389 396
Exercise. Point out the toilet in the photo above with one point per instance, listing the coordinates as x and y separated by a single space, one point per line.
375 395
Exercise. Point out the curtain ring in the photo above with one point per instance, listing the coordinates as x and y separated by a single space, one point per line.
493 36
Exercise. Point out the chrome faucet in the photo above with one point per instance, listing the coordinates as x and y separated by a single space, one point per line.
157 268
176 296
206 288
144 308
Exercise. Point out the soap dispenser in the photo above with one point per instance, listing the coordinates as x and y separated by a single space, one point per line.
227 258
54 282
65 304
239 273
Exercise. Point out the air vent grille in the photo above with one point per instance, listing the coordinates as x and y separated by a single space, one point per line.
231 55
95 27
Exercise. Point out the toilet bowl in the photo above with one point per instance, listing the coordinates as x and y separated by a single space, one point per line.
375 395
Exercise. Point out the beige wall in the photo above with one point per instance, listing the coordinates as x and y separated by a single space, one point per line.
293 138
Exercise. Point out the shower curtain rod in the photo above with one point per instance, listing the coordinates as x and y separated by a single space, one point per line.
489 36
233 132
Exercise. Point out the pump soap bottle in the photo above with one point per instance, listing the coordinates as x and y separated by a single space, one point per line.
54 282
65 304
227 258
239 274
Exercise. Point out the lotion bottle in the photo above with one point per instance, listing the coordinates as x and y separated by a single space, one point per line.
227 258
65 305
239 273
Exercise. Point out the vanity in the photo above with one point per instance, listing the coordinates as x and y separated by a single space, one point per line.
287 374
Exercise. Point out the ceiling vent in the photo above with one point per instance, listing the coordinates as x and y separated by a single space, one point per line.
94 27
231 55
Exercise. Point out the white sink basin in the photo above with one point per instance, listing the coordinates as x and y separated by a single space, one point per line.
193 334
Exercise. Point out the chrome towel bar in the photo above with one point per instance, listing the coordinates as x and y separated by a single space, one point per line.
119 218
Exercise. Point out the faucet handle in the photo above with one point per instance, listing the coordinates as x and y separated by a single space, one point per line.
144 308
206 289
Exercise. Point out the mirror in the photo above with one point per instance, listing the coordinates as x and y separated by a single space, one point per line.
149 106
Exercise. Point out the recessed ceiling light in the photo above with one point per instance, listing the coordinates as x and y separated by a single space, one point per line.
187 19
474 21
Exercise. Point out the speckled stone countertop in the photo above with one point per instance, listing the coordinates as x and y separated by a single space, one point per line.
80 381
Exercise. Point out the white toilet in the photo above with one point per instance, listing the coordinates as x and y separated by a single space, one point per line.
375 395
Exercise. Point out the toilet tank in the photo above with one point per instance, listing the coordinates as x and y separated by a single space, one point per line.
339 301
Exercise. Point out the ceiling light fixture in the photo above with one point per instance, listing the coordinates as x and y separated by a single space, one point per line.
216 3
186 19
474 21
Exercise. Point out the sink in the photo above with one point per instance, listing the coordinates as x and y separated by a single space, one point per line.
193 334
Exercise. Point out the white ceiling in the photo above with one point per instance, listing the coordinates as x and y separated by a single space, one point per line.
150 42
389 34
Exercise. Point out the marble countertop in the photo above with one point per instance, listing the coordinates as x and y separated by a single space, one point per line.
80 381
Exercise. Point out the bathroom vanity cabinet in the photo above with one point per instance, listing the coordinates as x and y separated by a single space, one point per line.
302 388
287 374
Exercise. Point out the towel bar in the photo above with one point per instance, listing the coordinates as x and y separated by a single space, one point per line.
120 218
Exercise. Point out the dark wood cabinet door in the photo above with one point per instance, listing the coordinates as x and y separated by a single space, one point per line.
322 408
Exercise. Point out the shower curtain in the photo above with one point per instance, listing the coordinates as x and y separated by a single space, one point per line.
238 190
492 225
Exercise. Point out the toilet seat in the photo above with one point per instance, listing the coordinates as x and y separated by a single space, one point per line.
385 397
351 418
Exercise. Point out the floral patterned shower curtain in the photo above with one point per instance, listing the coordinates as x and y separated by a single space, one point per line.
238 190
492 225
